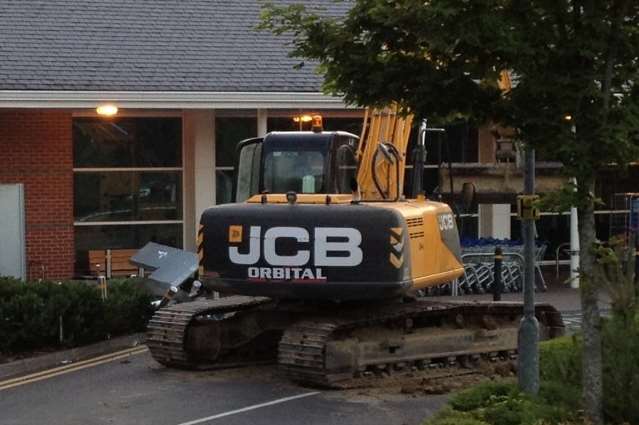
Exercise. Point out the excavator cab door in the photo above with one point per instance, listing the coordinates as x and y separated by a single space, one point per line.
344 163
248 168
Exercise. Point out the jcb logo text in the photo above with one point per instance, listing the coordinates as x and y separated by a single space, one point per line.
332 247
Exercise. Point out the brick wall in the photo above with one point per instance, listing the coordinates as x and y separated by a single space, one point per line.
36 149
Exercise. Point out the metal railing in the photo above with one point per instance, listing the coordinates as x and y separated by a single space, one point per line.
479 276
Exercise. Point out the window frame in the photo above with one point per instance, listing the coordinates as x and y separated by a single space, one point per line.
111 169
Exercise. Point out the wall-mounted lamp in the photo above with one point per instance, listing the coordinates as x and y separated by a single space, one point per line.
107 110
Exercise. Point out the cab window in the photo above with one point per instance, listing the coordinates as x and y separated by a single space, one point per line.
301 171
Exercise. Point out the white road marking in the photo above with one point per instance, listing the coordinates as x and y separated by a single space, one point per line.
248 408
46 374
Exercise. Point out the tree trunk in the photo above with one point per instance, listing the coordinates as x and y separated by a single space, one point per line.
591 327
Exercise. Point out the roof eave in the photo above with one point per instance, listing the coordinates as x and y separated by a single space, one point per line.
167 99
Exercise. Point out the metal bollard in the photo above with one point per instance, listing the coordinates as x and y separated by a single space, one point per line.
498 286
637 271
102 285
634 237
60 329
637 264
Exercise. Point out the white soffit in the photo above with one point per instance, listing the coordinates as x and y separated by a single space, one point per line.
167 100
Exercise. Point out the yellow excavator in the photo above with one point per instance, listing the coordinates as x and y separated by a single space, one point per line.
315 264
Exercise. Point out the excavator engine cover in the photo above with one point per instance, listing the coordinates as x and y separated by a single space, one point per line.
329 252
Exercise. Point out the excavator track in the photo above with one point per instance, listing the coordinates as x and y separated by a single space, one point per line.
330 352
167 332
342 346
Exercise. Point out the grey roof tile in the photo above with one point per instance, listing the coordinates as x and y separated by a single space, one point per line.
147 45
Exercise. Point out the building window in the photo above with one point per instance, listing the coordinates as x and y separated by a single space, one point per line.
127 142
127 183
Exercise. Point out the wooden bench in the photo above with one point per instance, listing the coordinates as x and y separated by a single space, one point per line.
113 263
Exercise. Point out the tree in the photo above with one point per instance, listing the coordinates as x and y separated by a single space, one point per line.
575 66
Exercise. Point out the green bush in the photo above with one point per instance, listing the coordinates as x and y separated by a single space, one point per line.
621 369
128 307
30 313
562 394
501 403
560 360
481 395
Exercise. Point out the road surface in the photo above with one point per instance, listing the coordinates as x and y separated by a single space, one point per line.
136 390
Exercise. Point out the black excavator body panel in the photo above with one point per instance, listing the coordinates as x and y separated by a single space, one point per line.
321 252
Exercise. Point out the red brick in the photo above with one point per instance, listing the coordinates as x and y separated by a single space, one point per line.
36 149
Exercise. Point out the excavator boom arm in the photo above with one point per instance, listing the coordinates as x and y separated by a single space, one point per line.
381 154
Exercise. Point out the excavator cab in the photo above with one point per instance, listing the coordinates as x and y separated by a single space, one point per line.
300 162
